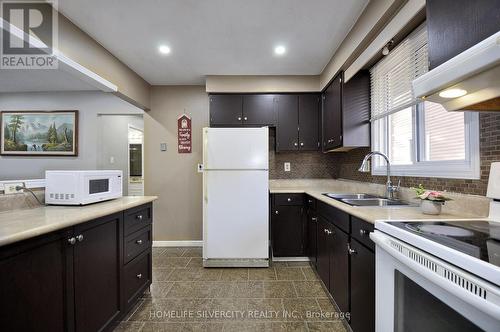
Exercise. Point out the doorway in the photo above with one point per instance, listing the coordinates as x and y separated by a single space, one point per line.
136 161
117 132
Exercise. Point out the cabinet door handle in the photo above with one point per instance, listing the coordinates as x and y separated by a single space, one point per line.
350 250
139 217
301 144
239 118
276 212
363 232
314 219
245 118
289 199
310 201
79 237
139 276
295 144
138 241
72 240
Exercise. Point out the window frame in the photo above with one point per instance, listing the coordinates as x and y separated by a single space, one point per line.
452 169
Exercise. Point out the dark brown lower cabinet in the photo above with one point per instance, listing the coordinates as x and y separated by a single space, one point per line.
339 269
312 234
73 279
362 288
287 225
34 275
345 265
324 248
96 273
286 231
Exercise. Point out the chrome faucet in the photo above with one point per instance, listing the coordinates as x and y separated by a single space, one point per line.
365 168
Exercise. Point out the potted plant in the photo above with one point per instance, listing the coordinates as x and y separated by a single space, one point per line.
432 201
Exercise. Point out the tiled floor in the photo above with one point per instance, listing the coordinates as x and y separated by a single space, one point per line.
187 297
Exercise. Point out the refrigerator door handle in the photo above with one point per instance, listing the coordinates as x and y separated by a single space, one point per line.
205 191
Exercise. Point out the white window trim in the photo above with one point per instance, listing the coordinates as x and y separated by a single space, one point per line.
468 169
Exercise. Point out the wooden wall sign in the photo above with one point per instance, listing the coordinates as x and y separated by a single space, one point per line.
184 134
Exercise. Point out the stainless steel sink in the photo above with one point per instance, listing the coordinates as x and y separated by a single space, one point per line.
373 202
350 196
365 200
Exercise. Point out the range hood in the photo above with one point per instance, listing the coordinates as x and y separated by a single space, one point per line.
468 81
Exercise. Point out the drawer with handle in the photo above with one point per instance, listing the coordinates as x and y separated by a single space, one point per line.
288 199
137 276
136 243
137 218
360 230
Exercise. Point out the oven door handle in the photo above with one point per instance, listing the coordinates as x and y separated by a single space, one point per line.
487 306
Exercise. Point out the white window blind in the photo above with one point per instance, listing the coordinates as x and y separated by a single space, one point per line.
391 77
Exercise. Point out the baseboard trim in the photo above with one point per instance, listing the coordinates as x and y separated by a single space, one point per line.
291 259
177 243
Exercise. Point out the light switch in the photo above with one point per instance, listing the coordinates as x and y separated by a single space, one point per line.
163 146
111 160
287 166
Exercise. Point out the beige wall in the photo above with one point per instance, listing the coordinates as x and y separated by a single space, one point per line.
376 14
169 175
81 48
262 84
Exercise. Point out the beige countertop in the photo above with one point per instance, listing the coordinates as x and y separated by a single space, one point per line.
316 189
17 225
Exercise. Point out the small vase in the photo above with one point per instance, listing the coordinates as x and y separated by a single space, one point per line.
431 207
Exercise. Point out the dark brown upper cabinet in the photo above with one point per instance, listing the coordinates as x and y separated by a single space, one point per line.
226 110
298 122
332 114
309 122
356 111
259 110
455 25
346 113
287 133
242 110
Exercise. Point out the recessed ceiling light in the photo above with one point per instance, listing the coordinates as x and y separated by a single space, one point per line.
452 93
164 49
279 50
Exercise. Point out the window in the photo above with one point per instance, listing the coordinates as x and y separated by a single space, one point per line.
420 138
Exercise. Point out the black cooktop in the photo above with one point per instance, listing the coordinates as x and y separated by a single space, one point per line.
477 238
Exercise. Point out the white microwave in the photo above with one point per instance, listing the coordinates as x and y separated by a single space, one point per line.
82 187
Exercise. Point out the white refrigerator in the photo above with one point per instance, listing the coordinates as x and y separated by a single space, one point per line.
235 197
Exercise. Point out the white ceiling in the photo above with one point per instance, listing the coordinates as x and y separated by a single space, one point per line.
216 37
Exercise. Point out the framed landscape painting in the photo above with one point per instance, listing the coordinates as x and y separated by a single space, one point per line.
39 133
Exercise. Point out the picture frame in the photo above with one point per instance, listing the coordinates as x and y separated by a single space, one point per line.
39 133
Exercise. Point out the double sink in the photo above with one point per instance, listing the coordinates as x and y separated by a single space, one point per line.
365 200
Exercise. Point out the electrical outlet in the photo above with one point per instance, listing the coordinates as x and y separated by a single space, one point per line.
287 166
10 188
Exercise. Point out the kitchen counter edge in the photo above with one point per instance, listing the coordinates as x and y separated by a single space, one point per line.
19 225
373 214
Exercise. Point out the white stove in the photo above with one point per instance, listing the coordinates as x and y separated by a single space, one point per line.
441 275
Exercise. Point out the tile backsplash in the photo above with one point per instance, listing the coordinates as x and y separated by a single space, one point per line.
344 165
303 165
